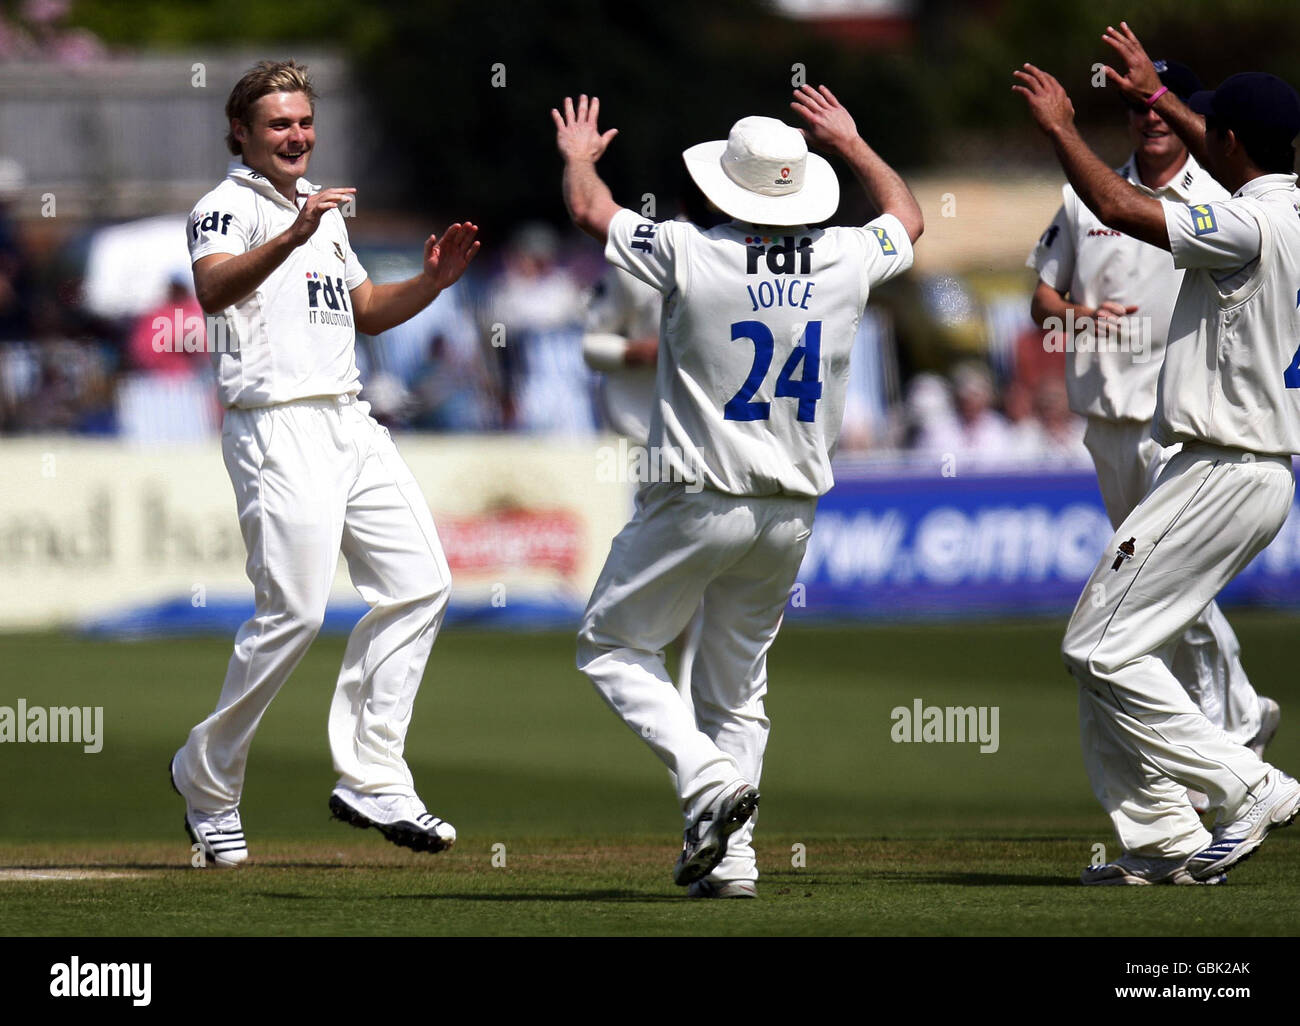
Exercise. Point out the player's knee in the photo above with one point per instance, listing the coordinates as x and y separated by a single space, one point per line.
304 621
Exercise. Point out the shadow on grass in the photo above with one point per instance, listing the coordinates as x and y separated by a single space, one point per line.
631 897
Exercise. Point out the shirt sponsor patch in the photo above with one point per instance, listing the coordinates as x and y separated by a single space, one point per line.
1203 222
886 243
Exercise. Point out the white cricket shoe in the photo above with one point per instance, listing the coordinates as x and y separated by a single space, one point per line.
704 843
1276 805
401 818
220 835
707 888
1138 871
1270 717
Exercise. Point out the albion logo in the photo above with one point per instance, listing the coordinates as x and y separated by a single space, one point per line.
102 979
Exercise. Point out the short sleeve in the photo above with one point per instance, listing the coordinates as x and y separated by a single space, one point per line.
1053 256
1218 236
353 273
646 249
888 249
219 224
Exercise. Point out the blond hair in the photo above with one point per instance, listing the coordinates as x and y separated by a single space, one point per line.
264 78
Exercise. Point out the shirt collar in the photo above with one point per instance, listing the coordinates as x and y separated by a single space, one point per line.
1181 185
1266 183
240 172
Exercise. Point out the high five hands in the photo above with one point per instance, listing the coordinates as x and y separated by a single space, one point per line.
576 134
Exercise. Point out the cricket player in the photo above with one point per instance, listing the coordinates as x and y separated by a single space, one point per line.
313 473
1227 393
1098 278
758 322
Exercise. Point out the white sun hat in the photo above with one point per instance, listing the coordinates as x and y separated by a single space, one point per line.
762 173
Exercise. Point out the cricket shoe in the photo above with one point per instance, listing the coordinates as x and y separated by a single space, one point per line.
219 835
1137 871
1234 842
402 819
706 888
1270 715
704 843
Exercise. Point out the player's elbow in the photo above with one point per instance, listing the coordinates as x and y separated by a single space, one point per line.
910 217
915 227
210 301
1044 304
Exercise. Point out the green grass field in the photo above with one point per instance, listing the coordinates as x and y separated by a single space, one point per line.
511 744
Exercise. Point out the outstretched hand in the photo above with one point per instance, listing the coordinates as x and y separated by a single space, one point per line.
445 259
576 134
1049 104
1140 79
830 126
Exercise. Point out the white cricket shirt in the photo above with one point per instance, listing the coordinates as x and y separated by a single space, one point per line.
294 337
1231 374
754 343
1115 378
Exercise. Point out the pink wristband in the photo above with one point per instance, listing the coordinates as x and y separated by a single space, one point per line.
1151 100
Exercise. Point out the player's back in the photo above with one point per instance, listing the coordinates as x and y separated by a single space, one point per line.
757 328
1232 373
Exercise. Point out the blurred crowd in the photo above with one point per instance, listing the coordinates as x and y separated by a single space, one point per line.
937 371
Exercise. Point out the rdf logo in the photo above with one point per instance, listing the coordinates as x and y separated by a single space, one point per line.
102 979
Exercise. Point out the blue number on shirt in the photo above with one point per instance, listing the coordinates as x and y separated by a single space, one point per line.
739 406
1292 374
807 388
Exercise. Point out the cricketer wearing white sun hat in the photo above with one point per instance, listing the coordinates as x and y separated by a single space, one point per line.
762 173
755 338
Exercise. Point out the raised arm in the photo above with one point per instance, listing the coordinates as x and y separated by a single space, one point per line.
224 279
1140 82
832 128
1116 203
590 203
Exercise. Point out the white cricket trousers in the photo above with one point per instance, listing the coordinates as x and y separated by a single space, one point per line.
311 478
736 559
1207 660
1144 740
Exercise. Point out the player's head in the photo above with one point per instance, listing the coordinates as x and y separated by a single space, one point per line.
1251 123
1152 139
271 112
763 174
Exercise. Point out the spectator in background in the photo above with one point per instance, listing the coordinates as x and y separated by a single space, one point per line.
930 414
171 338
429 373
15 267
38 34
539 305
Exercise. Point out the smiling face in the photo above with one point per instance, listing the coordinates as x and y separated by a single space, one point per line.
278 140
1152 139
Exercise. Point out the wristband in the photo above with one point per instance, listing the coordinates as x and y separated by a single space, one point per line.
1151 100
603 352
